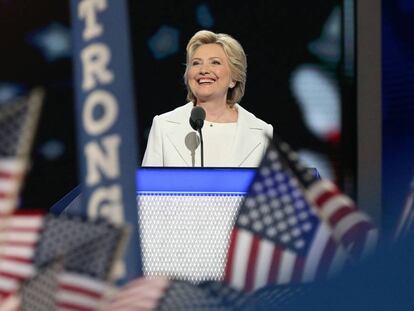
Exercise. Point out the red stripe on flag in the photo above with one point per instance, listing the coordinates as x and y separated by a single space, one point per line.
6 275
340 214
325 196
8 195
326 259
28 212
356 238
274 268
298 270
230 254
80 290
251 265
75 307
15 258
17 243
10 175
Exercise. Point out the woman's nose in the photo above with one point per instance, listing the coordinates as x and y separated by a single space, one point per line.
204 69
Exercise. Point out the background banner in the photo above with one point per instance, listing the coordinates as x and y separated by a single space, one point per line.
107 144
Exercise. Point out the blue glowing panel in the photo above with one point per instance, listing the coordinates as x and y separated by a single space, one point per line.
194 180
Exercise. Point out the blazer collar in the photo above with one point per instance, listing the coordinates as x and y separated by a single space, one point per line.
246 141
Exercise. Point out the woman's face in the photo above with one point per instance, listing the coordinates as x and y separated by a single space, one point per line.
209 75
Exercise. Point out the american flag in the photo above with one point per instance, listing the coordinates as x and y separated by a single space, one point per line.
293 227
30 242
18 120
19 234
11 174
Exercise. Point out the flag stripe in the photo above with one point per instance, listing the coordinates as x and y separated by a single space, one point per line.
74 279
242 247
8 284
20 237
326 259
16 268
12 164
338 261
329 207
316 189
264 262
16 251
276 261
251 265
348 222
315 252
7 206
326 196
371 242
230 255
25 222
298 269
286 267
9 187
339 214
75 300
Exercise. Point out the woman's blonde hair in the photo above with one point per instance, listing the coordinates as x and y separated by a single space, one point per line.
236 59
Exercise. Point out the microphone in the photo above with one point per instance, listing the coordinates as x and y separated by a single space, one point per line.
197 118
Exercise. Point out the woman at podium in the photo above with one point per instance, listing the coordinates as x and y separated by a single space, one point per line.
215 78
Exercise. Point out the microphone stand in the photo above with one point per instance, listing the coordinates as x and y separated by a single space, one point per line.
202 147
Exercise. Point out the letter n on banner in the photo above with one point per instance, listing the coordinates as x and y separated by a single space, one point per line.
106 117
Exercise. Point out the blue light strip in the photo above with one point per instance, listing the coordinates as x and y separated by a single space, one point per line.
194 180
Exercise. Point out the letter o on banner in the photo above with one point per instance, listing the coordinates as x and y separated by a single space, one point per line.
98 125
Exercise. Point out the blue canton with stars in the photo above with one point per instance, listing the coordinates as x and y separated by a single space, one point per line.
276 209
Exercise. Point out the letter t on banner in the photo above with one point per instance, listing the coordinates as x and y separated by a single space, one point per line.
106 117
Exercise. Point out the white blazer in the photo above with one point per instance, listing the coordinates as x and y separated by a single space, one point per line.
167 146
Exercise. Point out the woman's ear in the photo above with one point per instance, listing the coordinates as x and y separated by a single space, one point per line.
232 84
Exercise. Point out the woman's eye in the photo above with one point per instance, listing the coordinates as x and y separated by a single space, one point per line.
195 63
216 62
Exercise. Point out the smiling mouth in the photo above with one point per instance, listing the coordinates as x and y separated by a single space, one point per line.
205 81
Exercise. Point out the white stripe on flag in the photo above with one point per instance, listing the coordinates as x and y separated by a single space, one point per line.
26 237
333 204
87 283
371 241
346 223
79 291
263 263
316 251
9 185
338 261
288 259
7 205
75 298
25 221
8 284
20 269
12 165
12 303
316 189
240 258
23 252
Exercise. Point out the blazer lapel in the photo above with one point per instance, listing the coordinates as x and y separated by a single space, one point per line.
182 136
248 137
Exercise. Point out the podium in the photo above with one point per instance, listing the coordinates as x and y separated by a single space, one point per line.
185 218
